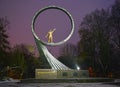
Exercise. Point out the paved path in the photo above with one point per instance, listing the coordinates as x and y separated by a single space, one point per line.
15 83
12 84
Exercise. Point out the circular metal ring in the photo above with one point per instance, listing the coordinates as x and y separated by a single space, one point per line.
58 8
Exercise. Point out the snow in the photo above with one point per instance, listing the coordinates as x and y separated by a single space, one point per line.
15 83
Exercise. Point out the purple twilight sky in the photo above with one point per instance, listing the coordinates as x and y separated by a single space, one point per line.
21 12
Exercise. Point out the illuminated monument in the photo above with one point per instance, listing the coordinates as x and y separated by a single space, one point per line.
58 69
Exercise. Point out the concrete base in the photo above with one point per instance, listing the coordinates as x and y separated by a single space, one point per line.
54 74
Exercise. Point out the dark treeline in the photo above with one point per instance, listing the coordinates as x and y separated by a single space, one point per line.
100 40
17 62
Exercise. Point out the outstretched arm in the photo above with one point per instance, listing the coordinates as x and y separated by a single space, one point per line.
53 29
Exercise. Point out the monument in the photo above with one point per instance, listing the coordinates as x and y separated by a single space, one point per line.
58 69
50 36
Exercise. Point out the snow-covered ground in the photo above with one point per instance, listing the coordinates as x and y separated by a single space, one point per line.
9 84
14 84
9 80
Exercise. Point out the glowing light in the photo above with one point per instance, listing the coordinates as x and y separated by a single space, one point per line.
77 67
